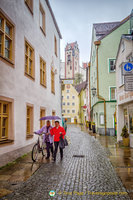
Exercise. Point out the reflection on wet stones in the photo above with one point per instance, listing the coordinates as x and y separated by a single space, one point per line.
75 177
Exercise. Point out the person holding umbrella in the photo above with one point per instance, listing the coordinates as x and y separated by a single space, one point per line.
57 132
47 137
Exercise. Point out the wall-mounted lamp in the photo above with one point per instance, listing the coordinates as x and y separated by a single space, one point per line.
93 91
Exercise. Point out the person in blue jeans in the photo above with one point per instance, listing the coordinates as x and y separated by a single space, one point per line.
47 137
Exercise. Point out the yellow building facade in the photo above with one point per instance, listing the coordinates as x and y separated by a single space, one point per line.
70 103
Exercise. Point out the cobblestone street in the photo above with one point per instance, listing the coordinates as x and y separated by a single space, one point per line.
91 176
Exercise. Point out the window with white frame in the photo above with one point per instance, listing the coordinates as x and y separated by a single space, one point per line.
73 104
68 103
123 46
63 111
67 97
67 91
73 97
63 103
73 111
68 111
101 118
121 76
111 65
112 93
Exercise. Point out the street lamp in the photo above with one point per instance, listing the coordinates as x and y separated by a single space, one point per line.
93 91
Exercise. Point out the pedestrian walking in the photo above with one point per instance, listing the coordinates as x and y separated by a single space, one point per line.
47 137
65 125
58 131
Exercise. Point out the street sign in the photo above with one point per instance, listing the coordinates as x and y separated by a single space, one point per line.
128 80
127 68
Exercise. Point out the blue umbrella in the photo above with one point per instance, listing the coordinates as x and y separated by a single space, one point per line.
50 118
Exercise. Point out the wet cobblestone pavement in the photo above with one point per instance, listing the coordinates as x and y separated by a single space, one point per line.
91 176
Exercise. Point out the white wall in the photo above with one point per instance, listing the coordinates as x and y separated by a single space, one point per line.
13 82
124 98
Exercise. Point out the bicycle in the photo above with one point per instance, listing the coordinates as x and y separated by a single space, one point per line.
37 148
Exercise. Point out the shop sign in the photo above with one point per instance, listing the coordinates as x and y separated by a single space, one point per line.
128 80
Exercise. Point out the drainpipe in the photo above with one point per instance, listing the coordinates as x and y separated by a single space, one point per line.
89 91
97 43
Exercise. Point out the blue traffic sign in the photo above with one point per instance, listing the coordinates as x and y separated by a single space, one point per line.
128 67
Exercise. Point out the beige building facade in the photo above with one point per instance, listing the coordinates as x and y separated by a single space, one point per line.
29 73
70 103
124 96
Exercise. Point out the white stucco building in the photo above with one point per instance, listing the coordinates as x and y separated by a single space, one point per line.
29 73
124 97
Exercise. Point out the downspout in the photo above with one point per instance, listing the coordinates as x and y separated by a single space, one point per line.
97 43
89 93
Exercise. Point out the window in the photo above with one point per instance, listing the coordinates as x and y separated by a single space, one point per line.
6 38
29 60
111 65
62 97
42 72
69 58
73 111
67 97
68 103
67 91
131 122
102 119
73 104
52 82
130 57
63 103
125 118
55 45
123 46
29 124
29 4
73 97
4 119
63 111
42 20
42 114
68 111
121 75
113 93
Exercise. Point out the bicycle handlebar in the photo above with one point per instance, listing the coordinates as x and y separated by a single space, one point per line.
38 134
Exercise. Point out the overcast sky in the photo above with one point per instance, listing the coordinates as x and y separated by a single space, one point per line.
76 17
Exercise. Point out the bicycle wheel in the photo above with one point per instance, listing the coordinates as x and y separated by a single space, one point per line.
35 152
43 154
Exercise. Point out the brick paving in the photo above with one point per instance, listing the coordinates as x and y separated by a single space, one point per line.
89 177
